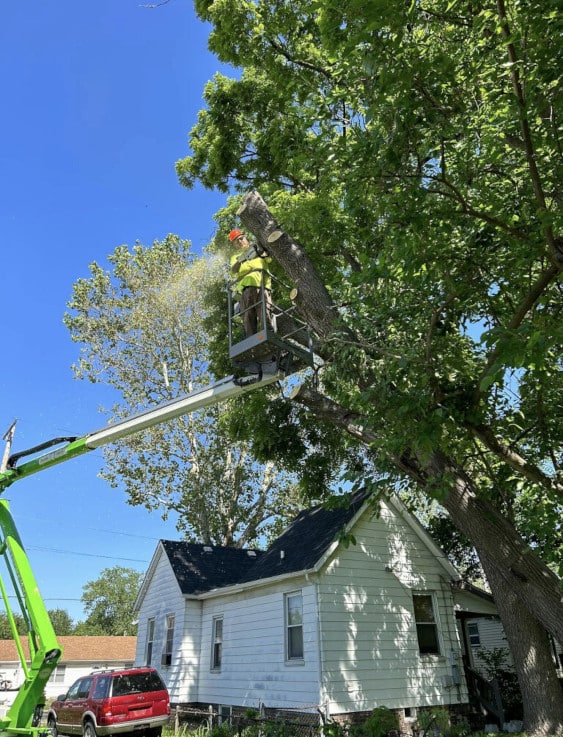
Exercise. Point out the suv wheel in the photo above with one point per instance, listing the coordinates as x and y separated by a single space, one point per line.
52 726
89 730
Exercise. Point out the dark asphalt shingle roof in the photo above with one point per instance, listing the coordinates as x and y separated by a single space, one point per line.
200 568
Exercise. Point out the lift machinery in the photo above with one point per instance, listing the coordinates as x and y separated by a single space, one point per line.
264 359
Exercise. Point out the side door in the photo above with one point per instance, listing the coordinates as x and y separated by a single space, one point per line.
69 716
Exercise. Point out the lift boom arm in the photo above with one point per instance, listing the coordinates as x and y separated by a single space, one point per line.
24 715
220 391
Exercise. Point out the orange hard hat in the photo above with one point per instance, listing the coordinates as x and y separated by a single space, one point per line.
234 234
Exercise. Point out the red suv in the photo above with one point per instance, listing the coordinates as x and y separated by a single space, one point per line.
111 702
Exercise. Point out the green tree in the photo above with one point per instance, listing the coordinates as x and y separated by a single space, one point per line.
61 621
411 159
142 332
6 630
108 603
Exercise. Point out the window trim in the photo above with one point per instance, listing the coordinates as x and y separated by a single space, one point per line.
168 651
473 634
58 675
435 623
217 644
291 659
151 627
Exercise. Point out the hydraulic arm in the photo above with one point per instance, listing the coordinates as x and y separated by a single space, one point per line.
24 715
73 447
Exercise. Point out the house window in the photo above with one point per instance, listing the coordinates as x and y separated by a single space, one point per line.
224 714
294 625
426 624
168 646
473 634
58 675
150 641
217 643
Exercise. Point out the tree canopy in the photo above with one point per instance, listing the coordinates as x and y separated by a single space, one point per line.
60 619
409 156
142 329
108 603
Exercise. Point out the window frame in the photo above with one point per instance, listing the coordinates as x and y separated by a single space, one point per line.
151 627
289 627
217 643
473 634
168 651
435 623
59 673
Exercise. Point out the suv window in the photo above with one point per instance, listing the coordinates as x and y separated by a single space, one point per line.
80 689
101 689
84 689
136 683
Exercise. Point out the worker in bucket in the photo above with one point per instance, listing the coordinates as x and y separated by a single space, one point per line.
249 267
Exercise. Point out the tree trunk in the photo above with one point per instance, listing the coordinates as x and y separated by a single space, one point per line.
542 696
312 299
507 562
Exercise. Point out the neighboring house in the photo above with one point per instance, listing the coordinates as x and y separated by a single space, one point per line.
312 623
482 633
80 656
479 625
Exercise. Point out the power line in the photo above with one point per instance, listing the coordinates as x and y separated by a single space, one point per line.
88 555
101 529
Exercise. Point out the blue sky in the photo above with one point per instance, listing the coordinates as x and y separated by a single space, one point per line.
97 102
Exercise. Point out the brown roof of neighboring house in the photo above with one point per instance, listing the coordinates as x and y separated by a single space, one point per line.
77 648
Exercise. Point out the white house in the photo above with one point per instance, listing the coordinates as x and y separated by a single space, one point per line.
312 623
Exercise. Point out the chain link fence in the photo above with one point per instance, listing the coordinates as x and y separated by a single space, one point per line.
265 722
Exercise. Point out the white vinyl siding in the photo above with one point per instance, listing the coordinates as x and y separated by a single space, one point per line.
162 599
254 668
367 621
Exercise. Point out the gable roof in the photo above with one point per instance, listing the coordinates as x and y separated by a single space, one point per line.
203 568
80 648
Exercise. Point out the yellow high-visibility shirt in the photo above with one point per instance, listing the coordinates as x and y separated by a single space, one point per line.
251 272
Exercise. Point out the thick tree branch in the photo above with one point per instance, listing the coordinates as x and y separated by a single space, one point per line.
524 572
513 459
351 422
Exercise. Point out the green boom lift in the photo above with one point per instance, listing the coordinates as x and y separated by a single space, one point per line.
24 716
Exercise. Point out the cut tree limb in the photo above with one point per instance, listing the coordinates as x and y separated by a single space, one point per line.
312 298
